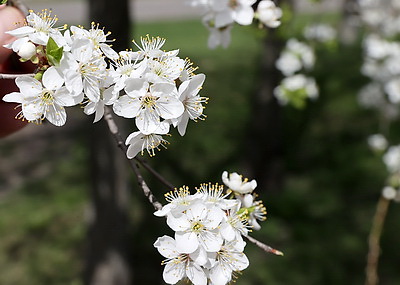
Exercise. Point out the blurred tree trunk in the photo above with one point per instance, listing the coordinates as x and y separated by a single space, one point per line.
107 261
265 144
349 26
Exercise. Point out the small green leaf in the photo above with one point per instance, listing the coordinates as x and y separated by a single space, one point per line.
3 1
53 52
39 75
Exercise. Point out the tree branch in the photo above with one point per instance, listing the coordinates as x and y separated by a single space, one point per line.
263 246
117 137
155 173
374 240
14 76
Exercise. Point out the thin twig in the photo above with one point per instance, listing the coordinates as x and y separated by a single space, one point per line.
155 173
117 137
374 241
14 76
263 246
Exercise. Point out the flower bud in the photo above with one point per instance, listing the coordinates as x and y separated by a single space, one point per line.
27 50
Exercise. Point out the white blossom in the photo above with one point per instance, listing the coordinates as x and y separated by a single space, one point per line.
377 142
392 159
236 183
43 100
138 142
268 14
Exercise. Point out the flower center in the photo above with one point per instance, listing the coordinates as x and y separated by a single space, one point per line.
47 97
197 226
149 101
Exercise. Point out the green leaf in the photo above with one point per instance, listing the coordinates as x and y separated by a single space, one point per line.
53 52
3 1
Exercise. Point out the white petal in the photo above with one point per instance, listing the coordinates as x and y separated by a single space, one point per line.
184 120
196 274
166 246
99 111
136 87
227 232
180 223
29 87
244 16
57 115
126 107
160 89
92 90
170 107
52 80
164 211
73 81
65 98
239 261
197 211
173 272
220 274
108 51
223 19
14 97
212 241
186 242
90 108
214 218
22 31
200 256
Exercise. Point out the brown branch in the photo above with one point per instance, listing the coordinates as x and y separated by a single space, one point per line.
14 76
155 173
374 240
117 137
264 247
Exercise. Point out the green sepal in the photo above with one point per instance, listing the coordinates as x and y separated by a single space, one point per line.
39 75
53 52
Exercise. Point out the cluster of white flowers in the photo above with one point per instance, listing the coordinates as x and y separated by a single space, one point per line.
320 33
296 87
75 66
391 158
381 15
377 142
221 15
207 247
381 64
381 56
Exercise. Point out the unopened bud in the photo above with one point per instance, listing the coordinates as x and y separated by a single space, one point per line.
27 50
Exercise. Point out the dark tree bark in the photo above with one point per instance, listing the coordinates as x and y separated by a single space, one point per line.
114 16
107 261
265 144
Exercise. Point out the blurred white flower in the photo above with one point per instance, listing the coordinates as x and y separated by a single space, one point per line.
320 32
268 14
392 159
377 142
389 192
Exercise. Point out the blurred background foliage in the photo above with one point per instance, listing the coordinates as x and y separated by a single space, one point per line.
320 219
